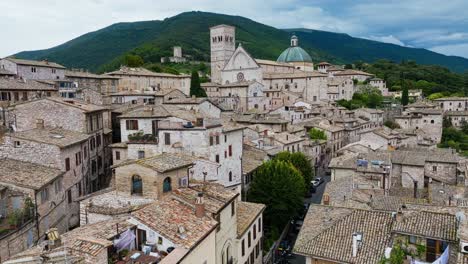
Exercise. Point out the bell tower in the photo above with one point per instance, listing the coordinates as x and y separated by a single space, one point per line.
222 45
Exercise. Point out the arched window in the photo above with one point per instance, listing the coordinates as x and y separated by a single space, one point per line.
137 185
256 106
167 185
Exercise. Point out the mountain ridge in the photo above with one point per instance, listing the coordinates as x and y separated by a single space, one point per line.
104 49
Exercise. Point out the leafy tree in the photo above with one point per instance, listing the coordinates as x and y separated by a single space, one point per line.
300 162
278 185
446 122
404 96
317 134
435 96
391 124
348 66
464 126
195 88
133 60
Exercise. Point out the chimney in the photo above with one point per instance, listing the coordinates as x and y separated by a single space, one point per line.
40 123
357 240
200 206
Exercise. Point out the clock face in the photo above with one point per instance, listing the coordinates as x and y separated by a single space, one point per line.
240 76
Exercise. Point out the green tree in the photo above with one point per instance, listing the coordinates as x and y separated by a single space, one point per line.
195 88
300 162
317 134
278 185
404 96
133 60
348 66
446 122
464 126
391 124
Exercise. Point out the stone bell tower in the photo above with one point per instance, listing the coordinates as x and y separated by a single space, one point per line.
222 45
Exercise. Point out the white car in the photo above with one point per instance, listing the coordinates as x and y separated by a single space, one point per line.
317 181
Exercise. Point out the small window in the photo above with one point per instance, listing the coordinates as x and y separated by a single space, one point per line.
434 168
230 150
117 155
141 154
167 138
137 185
58 185
217 140
167 185
412 240
217 158
69 196
254 232
233 208
243 247
230 176
131 124
160 240
17 144
249 240
67 164
432 121
44 195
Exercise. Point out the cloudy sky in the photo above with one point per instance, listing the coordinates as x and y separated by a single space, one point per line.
441 26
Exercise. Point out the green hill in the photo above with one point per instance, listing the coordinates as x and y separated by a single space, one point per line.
104 49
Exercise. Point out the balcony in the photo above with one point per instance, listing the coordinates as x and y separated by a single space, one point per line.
141 138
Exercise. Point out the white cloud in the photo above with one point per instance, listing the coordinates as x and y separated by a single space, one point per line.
460 49
387 39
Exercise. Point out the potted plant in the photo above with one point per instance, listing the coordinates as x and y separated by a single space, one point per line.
14 219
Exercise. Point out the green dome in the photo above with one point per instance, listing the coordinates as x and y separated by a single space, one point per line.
294 53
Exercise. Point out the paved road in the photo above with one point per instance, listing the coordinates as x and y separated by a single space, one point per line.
316 199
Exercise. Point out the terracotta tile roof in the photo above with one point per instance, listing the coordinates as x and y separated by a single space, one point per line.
247 213
176 221
353 72
89 75
252 158
452 99
163 162
146 112
111 202
127 71
286 138
441 226
24 85
42 63
53 136
275 75
327 234
25 174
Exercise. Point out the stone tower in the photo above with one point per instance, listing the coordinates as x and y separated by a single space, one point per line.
223 45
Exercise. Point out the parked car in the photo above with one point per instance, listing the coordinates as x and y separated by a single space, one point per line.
317 181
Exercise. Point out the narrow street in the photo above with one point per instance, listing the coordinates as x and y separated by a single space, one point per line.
315 199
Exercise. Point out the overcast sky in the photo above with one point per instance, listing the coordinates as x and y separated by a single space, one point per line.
441 26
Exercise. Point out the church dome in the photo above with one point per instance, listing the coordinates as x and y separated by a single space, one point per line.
294 53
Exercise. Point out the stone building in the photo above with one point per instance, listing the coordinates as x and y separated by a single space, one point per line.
141 79
296 56
176 57
379 84
190 220
453 103
76 116
103 84
429 121
241 96
91 244
19 90
222 46
374 116
457 117
33 70
57 148
175 130
31 195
